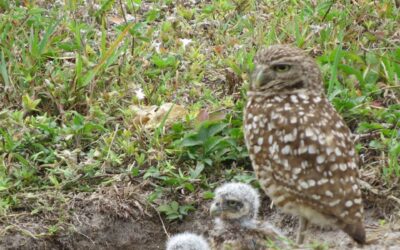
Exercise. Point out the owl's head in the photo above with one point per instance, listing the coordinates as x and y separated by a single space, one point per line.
235 201
187 241
285 69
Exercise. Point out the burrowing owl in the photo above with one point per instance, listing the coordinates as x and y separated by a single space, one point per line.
235 207
187 241
300 147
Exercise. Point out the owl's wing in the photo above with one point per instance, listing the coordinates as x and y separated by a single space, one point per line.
315 160
226 238
269 237
259 239
270 231
253 236
216 239
239 242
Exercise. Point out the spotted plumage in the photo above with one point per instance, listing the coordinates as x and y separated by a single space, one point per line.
300 147
235 208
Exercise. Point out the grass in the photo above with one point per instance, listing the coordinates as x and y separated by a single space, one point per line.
73 117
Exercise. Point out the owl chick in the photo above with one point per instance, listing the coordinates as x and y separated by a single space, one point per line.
187 241
235 208
300 147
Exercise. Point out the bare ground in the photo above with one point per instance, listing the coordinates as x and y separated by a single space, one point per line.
118 217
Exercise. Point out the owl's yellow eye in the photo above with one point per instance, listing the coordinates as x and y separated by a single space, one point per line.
281 67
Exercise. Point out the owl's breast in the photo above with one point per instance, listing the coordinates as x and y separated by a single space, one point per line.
274 126
273 129
258 130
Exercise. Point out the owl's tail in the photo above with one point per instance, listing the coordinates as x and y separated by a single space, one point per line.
356 231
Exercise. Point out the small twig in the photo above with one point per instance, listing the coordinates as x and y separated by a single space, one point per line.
84 235
111 143
391 197
327 12
378 48
25 231
87 237
162 222
123 11
358 137
375 191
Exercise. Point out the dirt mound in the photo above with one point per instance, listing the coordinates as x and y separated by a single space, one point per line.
118 217
96 231
115 217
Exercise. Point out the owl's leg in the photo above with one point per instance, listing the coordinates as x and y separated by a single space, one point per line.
303 222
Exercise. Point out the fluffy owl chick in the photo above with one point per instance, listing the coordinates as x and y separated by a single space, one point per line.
187 241
300 147
235 207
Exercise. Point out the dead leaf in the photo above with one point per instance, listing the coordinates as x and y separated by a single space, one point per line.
151 117
177 113
377 104
233 81
202 115
218 49
217 115
116 20
143 114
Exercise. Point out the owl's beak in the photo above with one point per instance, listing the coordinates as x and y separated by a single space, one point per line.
259 76
215 209
263 75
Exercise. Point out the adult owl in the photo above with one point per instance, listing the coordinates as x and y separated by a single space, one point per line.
300 147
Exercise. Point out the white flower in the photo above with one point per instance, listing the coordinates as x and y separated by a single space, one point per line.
130 18
59 2
156 45
317 28
139 94
185 42
238 46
